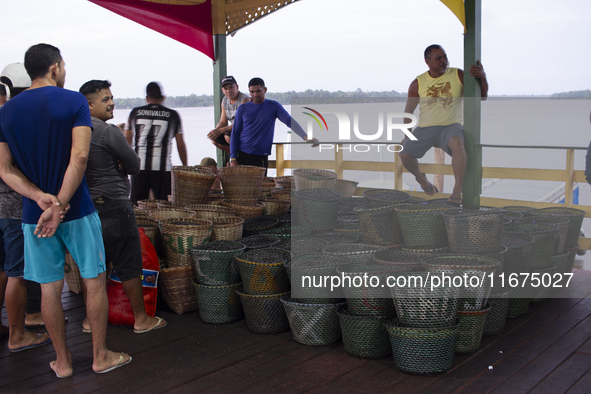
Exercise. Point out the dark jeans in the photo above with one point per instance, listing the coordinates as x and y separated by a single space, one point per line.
247 159
146 180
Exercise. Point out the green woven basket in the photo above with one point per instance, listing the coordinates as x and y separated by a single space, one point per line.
262 271
264 314
349 229
218 304
561 223
364 336
378 197
255 226
497 316
570 262
366 298
260 241
306 245
540 293
471 231
422 351
545 239
358 253
517 306
576 221
379 225
422 226
305 273
318 208
517 259
215 264
470 330
400 260
525 211
313 324
333 237
418 305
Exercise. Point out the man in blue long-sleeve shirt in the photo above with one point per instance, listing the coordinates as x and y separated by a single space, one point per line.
254 127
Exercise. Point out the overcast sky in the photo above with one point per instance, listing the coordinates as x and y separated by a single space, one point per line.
528 46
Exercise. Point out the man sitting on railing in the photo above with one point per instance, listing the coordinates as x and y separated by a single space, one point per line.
441 118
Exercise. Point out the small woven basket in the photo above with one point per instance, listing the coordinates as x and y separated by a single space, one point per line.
264 314
218 304
260 241
576 221
262 271
470 231
72 274
312 324
215 264
422 351
470 330
364 336
318 208
347 188
178 290
179 235
245 211
242 183
227 229
190 185
379 225
307 178
384 197
422 226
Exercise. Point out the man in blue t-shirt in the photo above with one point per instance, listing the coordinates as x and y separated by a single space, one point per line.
44 144
254 127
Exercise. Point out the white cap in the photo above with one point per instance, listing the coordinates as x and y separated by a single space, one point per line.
17 74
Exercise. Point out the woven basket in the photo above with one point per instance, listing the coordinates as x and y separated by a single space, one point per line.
497 316
178 290
509 217
517 306
307 245
349 229
417 305
384 197
357 253
264 314
525 211
425 251
570 262
211 211
165 204
149 205
379 225
347 188
242 183
422 226
283 195
260 241
262 271
540 293
334 237
285 182
287 232
545 239
227 229
247 212
347 217
576 221
312 266
561 223
215 264
171 213
150 227
400 260
422 351
179 235
313 324
470 231
72 274
318 208
307 178
275 206
364 336
362 300
257 225
517 259
470 330
190 185
218 304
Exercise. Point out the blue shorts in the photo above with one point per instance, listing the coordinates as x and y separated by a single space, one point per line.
45 257
11 248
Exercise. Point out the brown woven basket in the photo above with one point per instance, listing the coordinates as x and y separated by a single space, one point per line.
242 182
276 206
171 213
307 178
247 212
149 205
72 274
268 182
179 235
211 211
190 185
346 187
150 227
165 204
227 228
177 288
285 182
281 195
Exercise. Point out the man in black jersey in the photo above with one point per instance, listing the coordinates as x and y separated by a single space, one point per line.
152 128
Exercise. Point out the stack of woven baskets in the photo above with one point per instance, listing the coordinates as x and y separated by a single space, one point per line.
242 187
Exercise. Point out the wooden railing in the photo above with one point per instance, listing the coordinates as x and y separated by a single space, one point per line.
568 175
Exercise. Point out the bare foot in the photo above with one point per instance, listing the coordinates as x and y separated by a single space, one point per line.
34 319
28 340
86 326
110 362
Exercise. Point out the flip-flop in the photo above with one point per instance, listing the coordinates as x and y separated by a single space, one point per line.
118 365
86 330
156 327
20 349
433 190
455 200
56 374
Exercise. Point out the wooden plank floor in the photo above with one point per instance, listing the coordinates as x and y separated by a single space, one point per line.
547 350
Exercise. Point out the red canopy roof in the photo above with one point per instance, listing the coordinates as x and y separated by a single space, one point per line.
189 24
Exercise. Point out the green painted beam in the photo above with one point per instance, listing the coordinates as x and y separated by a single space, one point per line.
220 70
472 186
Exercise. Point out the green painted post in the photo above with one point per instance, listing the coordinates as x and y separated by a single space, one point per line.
219 71
472 186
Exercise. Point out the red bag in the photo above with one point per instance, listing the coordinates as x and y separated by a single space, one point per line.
119 307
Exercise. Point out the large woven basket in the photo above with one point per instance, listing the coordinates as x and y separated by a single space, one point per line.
180 235
246 211
227 229
545 235
313 324
364 336
470 330
422 225
215 264
379 225
470 231
262 271
260 241
303 270
307 178
242 183
419 305
561 223
347 188
171 213
576 220
190 185
177 288
318 208
218 304
264 314
378 197
422 351
72 275
497 316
